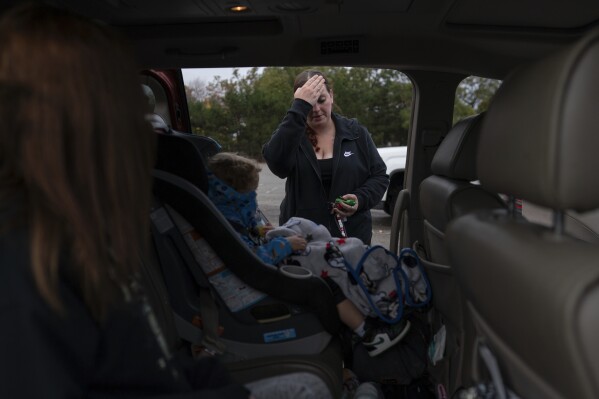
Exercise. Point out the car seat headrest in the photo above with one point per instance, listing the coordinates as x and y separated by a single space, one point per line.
150 98
179 156
158 123
539 139
456 156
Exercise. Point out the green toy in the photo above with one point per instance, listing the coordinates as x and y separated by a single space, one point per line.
349 202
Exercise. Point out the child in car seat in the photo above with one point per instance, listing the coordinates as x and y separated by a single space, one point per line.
232 184
233 181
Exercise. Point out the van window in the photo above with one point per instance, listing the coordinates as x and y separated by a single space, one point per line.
473 96
241 107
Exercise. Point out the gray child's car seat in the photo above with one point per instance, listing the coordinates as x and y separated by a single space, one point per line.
289 321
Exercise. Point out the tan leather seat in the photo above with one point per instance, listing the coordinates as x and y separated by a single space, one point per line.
533 290
449 193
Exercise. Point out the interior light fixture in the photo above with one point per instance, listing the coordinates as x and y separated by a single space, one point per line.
239 8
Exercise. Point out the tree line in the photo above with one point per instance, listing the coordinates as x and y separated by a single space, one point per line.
242 112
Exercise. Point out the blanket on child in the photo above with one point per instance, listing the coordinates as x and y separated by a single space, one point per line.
377 281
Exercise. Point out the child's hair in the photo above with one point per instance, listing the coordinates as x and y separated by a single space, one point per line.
239 172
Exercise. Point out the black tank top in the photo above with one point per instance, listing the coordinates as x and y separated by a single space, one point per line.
326 173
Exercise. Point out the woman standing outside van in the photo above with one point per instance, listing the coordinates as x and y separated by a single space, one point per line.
325 157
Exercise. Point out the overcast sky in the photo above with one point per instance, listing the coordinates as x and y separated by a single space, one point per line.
208 74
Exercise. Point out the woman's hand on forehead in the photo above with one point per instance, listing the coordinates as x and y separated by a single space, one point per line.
311 90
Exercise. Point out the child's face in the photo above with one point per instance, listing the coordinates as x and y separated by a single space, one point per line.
254 187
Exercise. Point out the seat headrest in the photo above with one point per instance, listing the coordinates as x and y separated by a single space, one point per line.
178 155
539 139
158 123
456 156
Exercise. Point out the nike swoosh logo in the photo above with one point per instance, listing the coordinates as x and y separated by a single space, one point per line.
347 154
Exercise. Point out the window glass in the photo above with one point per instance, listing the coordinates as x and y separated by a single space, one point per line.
473 96
241 107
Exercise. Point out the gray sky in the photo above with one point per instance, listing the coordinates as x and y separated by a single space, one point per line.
208 74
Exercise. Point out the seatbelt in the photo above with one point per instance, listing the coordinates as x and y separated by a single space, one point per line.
402 204
157 294
163 228
494 389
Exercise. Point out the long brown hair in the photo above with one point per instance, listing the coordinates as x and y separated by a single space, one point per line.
80 154
300 80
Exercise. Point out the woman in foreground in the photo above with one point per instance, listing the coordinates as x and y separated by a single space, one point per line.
75 190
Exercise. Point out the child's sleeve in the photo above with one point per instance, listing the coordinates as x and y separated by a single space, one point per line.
274 251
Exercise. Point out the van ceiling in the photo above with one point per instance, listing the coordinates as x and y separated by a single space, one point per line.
488 38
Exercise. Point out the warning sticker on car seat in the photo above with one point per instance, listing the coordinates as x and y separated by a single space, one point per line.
281 335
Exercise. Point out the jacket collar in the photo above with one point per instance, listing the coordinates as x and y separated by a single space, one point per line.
345 128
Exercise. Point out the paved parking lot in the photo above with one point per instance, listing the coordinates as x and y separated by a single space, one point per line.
272 190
